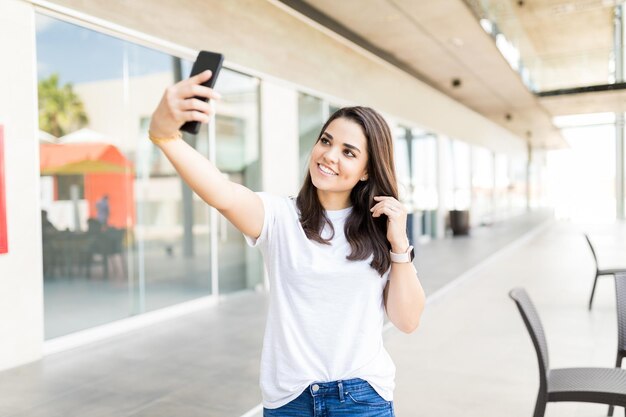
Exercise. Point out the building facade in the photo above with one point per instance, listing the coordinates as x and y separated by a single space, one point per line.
101 230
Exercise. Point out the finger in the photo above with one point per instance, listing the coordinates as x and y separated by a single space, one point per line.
376 206
204 91
384 197
195 90
194 116
386 211
387 203
195 104
204 76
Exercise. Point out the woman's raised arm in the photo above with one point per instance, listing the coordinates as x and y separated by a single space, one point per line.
242 207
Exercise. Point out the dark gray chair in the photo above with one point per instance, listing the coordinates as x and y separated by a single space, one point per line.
588 385
620 296
599 272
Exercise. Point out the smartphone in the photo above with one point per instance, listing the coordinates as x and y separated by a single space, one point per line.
206 61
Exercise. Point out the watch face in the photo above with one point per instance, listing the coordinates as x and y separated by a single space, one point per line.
412 253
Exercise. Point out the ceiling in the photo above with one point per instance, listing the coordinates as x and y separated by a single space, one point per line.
563 44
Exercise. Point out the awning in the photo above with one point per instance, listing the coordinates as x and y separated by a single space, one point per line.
81 158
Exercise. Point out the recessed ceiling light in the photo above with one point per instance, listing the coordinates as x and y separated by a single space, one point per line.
487 25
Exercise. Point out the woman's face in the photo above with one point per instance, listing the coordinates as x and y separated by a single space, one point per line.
339 158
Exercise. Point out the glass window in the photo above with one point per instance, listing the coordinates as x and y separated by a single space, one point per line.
460 184
482 185
237 153
502 186
121 232
402 159
310 122
425 166
416 162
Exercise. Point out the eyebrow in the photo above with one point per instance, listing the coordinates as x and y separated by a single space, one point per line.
347 145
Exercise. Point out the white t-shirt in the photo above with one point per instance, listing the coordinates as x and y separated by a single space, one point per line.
325 314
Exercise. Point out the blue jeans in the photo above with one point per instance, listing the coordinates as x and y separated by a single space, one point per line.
353 397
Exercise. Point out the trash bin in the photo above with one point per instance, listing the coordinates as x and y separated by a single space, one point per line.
459 222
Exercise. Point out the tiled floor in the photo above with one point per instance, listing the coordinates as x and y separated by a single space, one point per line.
471 355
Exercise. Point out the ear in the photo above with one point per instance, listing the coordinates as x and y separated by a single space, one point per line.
364 177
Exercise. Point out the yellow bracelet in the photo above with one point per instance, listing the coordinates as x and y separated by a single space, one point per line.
158 141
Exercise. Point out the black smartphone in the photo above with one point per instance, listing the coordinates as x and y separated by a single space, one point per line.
206 61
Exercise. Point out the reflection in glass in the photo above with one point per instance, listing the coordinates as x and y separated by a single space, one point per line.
425 194
502 187
118 237
459 197
482 186
310 122
237 149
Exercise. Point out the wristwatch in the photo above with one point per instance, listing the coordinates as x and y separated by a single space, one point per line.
403 258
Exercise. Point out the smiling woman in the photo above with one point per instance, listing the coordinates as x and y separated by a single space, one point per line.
337 257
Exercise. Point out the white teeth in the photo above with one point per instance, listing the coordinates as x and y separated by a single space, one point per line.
326 170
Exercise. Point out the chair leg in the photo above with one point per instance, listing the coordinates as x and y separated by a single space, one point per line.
618 364
540 407
593 290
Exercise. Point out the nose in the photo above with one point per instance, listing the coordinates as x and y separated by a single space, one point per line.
331 156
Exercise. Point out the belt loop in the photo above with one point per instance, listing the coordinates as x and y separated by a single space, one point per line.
340 386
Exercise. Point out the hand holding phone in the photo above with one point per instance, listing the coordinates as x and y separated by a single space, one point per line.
205 61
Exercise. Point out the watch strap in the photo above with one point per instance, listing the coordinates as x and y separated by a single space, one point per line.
405 257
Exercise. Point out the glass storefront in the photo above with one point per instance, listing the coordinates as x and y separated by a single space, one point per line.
425 194
416 169
122 234
482 186
311 119
502 187
237 148
460 184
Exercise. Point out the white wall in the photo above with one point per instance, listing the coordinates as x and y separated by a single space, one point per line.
21 289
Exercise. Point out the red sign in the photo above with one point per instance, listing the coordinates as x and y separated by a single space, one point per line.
4 244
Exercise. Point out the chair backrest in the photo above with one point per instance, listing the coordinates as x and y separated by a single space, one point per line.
620 293
593 252
535 328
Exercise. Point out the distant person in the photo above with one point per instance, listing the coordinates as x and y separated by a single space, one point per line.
103 210
337 255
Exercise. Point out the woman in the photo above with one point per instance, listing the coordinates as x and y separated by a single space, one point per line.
337 256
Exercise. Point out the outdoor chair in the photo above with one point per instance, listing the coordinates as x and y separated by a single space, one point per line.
588 385
599 272
620 297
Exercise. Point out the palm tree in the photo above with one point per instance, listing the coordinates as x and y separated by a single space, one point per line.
60 109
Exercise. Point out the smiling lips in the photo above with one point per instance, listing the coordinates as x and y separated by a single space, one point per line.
325 170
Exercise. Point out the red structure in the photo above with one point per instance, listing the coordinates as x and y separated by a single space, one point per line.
105 171
4 241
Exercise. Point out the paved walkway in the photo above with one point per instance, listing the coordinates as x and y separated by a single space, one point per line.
471 355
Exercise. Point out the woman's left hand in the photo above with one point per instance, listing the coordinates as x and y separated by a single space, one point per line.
396 221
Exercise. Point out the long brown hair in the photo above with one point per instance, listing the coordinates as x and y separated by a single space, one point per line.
367 235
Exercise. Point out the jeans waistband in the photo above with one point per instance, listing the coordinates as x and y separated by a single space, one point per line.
339 388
